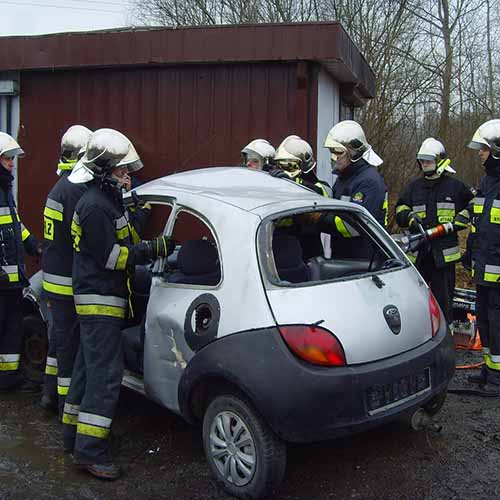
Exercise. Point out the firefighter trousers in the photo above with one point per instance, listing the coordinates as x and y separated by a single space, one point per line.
50 380
66 333
94 391
488 322
11 336
442 283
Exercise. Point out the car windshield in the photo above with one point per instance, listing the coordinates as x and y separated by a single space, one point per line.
325 245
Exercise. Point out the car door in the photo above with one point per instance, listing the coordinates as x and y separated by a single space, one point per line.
183 309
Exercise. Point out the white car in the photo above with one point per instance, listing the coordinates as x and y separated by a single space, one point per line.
282 317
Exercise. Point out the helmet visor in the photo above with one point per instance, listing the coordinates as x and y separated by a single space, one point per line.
477 145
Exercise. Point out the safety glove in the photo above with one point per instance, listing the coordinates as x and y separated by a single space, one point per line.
161 247
414 221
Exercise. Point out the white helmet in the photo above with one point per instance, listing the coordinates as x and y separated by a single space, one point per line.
106 148
260 150
73 140
9 146
433 150
348 137
487 135
132 159
295 156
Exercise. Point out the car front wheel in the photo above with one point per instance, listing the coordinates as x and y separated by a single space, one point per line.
246 457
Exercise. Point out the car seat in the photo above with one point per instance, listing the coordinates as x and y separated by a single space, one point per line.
198 263
289 259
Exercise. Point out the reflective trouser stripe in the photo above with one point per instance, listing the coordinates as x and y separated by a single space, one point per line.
9 362
12 272
492 273
451 254
70 414
51 366
493 361
100 305
60 285
93 425
63 386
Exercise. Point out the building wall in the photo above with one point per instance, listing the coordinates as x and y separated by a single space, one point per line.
328 115
177 117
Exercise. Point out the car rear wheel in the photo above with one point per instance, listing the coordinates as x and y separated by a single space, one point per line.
35 347
246 457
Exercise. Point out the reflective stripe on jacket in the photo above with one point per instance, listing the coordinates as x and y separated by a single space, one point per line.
436 202
15 240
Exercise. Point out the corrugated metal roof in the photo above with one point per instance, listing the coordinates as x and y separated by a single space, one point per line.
327 43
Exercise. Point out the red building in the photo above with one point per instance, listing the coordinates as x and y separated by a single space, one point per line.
186 97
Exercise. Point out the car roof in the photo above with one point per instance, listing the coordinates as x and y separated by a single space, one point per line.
245 188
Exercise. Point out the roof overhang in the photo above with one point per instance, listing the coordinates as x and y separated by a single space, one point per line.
326 43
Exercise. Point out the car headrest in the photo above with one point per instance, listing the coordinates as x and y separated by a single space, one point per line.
287 251
198 257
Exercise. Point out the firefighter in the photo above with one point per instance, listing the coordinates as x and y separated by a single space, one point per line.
259 155
354 163
15 239
295 160
485 254
57 264
436 198
102 255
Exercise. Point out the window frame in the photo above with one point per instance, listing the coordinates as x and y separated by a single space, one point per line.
372 229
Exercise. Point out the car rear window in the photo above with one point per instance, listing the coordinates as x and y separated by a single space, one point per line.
325 245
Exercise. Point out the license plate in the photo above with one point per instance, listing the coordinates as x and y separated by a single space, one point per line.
383 397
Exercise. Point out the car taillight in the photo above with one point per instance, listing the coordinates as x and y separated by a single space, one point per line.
435 314
314 344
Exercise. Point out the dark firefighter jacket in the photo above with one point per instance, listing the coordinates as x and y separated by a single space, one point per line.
437 201
57 260
103 252
361 183
310 181
15 239
485 242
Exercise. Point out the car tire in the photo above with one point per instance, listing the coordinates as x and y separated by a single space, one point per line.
433 407
246 457
35 346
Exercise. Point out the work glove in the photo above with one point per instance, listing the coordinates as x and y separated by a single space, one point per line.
414 221
161 247
279 174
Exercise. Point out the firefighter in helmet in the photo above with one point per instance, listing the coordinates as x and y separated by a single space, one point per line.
259 155
103 255
436 198
15 240
485 255
295 160
57 263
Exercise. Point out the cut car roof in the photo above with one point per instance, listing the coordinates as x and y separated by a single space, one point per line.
244 188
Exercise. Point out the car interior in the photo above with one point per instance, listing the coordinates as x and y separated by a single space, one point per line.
311 247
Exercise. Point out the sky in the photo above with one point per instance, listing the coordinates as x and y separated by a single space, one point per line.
35 17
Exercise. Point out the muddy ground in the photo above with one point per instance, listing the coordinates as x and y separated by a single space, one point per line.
163 457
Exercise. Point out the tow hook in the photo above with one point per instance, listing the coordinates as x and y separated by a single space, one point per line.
421 420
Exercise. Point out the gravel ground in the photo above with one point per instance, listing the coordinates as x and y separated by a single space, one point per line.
163 457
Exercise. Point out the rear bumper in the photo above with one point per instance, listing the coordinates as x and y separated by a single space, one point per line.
304 403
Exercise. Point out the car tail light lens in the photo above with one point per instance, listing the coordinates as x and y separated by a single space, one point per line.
435 314
314 344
